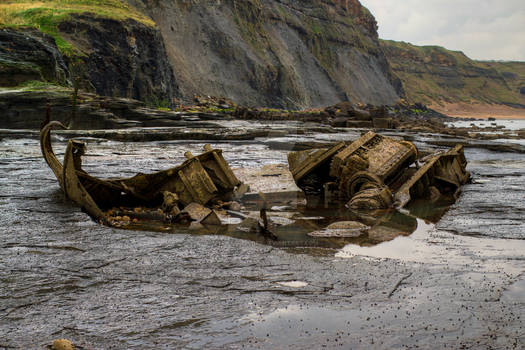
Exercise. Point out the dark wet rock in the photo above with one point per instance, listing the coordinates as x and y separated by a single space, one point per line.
359 124
26 110
492 146
340 122
29 55
361 114
214 116
139 69
383 123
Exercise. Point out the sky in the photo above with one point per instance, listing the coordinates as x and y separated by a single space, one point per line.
482 29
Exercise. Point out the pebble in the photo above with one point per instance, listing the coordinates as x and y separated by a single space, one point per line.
63 344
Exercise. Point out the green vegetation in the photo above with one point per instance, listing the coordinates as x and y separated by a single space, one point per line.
46 14
158 103
36 85
433 74
218 110
247 16
512 72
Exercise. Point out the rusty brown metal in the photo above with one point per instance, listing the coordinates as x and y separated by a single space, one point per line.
310 168
200 179
372 158
218 169
305 162
446 169
375 172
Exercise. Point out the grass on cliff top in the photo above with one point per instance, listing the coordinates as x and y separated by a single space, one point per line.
46 14
426 50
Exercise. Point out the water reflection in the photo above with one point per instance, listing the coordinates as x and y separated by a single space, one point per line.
297 221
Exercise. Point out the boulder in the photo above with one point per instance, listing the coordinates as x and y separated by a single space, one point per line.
382 123
360 114
366 124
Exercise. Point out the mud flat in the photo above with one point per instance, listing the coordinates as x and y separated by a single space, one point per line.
454 284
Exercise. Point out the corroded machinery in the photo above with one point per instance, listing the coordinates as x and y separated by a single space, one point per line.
199 180
377 172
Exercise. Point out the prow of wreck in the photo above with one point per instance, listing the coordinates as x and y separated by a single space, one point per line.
200 179
378 172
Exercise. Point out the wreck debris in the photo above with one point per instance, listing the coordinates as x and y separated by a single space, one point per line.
440 171
307 167
375 172
202 215
199 181
170 203
263 225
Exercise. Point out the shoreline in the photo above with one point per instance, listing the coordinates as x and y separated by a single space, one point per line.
479 111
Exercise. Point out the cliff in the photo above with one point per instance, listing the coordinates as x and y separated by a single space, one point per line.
281 53
278 53
106 46
437 76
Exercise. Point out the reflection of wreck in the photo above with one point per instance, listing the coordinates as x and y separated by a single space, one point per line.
198 181
378 172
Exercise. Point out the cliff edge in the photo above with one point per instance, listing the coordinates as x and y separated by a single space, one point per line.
449 80
275 53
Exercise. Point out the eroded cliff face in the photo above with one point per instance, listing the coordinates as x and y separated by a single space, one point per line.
29 55
435 75
281 53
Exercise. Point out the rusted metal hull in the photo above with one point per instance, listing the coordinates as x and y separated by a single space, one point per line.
199 179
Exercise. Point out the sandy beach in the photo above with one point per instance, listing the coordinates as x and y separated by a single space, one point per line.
480 111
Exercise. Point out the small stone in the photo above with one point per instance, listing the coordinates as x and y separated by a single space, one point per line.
347 225
63 344
235 206
346 229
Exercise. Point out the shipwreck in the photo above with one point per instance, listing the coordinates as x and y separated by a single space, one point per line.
378 172
359 184
172 195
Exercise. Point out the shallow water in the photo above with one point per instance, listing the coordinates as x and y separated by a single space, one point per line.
446 285
508 124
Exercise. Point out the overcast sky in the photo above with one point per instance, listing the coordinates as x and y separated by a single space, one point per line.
482 29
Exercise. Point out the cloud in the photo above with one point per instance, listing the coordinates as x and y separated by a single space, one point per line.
482 29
